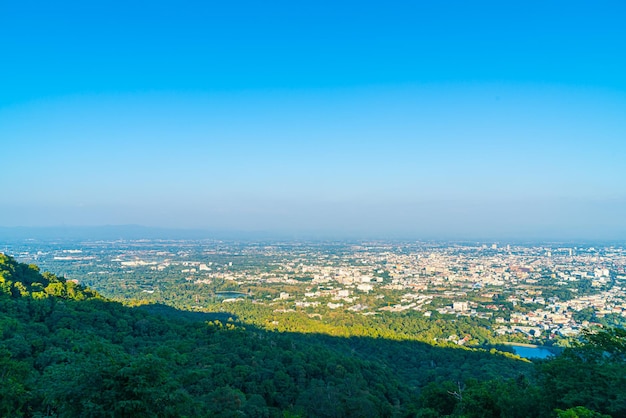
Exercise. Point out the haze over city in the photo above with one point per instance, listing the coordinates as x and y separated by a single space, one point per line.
449 120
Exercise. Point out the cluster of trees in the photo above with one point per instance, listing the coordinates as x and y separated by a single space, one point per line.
65 351
587 381
405 325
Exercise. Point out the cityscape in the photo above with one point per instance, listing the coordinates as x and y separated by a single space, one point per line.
539 293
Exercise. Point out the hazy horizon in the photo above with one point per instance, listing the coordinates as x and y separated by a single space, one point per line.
139 232
450 121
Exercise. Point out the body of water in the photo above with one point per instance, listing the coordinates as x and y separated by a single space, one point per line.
230 295
531 351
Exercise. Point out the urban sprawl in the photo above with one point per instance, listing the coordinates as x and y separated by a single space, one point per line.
542 292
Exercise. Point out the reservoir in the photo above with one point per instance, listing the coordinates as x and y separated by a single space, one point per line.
530 351
230 295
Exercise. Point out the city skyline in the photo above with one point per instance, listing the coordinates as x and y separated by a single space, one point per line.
426 121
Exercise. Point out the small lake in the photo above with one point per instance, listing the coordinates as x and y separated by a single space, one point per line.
230 295
531 351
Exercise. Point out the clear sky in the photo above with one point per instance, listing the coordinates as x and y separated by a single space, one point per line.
438 119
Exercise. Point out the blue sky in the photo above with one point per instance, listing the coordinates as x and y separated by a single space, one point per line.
407 119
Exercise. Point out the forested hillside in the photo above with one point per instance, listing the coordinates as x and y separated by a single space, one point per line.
65 351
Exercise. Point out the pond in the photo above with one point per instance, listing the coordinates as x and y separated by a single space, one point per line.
531 351
230 295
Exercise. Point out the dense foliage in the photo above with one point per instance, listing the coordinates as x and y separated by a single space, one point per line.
65 351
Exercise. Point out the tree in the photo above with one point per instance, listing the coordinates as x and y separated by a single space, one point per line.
579 412
591 374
